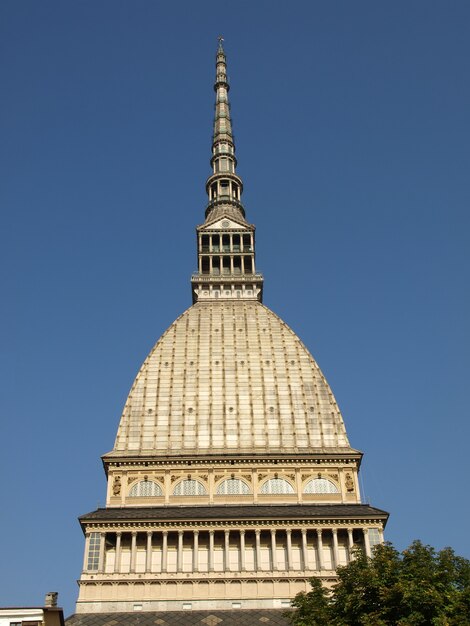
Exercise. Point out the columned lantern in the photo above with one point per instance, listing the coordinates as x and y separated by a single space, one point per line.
232 481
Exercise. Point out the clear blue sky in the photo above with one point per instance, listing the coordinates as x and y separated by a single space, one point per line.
352 129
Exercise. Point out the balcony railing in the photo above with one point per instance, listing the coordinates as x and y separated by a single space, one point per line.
217 278
218 249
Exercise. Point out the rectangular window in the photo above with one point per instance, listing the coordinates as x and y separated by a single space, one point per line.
374 537
94 551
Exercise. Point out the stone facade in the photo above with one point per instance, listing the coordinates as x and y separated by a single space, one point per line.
232 480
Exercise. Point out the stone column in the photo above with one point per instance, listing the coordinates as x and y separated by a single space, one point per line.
320 548
227 551
196 551
87 550
211 480
211 551
366 541
298 484
148 555
350 544
117 559
102 552
273 549
164 551
335 547
381 535
258 549
133 550
179 556
242 551
254 477
289 549
304 549
167 481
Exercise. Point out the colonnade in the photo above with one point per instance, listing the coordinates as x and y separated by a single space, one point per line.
226 265
229 550
213 243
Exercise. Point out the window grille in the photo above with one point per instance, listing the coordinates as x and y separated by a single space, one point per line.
94 551
145 489
374 537
320 485
233 487
276 486
190 487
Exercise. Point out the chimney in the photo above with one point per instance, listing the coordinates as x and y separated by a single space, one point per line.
51 599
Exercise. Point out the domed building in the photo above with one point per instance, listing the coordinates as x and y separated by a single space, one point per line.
232 481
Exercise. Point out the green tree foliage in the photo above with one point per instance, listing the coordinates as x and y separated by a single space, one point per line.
417 587
312 608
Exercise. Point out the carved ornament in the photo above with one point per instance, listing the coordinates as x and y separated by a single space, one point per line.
349 482
117 486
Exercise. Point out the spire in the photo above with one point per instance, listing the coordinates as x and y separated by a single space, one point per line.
224 187
226 241
222 122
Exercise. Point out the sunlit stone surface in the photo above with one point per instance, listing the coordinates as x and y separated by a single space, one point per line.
232 481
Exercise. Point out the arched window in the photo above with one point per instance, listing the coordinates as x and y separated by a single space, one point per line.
276 486
145 488
320 485
189 487
233 487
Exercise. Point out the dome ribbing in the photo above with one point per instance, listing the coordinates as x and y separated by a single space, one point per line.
232 378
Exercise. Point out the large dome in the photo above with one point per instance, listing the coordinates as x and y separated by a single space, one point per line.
229 377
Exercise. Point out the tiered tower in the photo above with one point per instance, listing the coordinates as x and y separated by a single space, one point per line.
226 242
232 480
